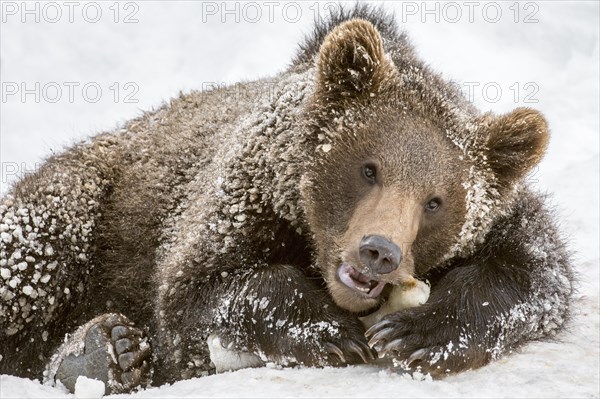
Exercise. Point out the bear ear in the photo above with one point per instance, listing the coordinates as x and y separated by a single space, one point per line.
351 61
516 142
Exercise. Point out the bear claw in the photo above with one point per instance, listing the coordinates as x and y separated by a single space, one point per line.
335 350
365 353
352 348
394 345
418 355
378 327
379 336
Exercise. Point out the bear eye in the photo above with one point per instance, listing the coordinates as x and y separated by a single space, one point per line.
370 173
433 205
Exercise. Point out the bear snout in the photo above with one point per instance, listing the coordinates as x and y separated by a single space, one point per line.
379 255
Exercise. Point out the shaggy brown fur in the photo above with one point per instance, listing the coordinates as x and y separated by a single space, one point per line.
242 213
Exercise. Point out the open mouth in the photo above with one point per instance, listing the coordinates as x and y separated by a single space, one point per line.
360 282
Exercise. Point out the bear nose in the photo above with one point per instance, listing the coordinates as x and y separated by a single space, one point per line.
379 254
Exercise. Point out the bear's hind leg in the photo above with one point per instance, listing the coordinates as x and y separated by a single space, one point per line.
47 246
108 348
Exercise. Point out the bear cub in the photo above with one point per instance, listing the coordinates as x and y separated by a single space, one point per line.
261 225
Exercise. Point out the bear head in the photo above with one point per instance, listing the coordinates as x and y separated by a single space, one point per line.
407 175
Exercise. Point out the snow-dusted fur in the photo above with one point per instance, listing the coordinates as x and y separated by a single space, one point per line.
219 213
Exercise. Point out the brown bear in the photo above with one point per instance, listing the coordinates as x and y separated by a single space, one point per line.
266 222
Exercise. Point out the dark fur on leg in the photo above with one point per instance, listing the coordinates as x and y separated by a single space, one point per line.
277 313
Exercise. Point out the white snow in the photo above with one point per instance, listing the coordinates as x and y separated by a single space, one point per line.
551 65
88 388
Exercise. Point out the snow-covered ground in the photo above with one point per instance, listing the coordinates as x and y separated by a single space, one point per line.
539 54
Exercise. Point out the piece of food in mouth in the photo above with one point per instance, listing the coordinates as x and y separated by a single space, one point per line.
407 295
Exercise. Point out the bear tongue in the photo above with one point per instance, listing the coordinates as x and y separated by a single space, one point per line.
360 282
358 276
376 288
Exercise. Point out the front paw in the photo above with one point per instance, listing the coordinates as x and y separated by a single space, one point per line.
320 344
421 342
345 343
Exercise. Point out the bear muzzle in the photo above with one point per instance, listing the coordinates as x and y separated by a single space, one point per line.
378 258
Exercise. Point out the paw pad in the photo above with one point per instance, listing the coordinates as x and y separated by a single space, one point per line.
114 352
